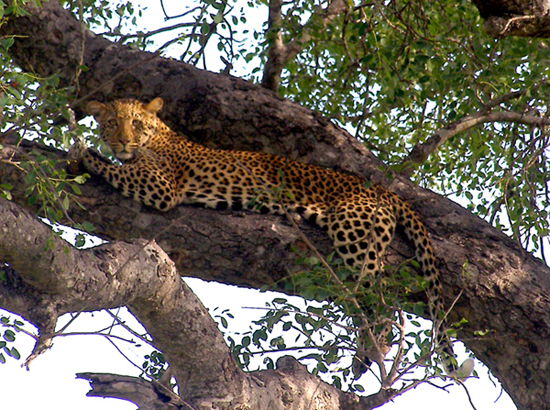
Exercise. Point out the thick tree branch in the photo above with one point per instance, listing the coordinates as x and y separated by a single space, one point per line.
138 275
141 276
289 378
275 51
515 18
146 395
504 291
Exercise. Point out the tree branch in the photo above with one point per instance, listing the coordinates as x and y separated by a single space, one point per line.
515 18
279 53
141 276
146 395
504 291
421 151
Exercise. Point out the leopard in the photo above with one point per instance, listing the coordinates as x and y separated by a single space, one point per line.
163 169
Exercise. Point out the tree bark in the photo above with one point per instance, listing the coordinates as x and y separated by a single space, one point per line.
504 290
529 18
141 276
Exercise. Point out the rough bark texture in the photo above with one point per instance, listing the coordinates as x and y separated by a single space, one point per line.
146 395
524 18
141 276
505 291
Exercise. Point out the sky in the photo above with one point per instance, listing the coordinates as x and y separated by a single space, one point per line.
51 377
54 386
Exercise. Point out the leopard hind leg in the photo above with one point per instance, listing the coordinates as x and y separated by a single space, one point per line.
361 244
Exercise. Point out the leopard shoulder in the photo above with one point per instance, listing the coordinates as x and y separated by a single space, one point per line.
163 169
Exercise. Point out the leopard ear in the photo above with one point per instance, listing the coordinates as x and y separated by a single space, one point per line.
155 105
97 109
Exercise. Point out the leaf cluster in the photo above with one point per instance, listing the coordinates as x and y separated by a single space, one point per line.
395 73
9 336
154 365
326 335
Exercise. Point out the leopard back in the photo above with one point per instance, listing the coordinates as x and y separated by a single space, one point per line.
163 169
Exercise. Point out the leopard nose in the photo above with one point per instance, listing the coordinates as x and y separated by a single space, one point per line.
126 133
125 142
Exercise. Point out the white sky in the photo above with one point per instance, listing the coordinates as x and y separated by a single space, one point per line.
51 382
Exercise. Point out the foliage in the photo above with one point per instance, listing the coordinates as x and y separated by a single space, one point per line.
397 73
11 327
34 108
201 30
326 335
154 365
392 72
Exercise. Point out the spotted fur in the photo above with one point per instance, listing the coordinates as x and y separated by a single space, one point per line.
162 169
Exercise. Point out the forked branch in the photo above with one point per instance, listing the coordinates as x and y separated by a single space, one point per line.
421 151
280 52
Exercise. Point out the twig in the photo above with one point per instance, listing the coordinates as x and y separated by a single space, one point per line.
421 151
128 328
467 394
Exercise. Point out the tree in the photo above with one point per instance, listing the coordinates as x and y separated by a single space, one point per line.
471 112
507 18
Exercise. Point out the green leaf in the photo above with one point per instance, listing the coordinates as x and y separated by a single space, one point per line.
9 335
14 353
481 333
88 227
76 189
30 178
80 240
81 179
358 387
258 336
65 202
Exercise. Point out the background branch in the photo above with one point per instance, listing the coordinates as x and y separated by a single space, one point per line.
141 276
144 394
506 292
421 151
279 52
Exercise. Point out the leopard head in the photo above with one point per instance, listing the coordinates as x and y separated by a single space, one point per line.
126 125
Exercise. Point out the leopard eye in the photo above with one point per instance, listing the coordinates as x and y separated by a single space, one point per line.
112 123
137 123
